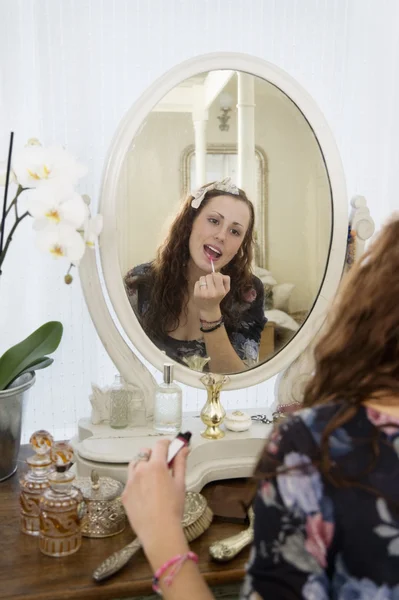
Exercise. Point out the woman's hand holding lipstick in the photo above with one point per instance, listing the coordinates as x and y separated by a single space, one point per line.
154 503
153 499
209 291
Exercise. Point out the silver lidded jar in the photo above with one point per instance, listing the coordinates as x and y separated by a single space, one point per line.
105 515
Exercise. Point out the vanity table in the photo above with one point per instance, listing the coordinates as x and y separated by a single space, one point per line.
26 574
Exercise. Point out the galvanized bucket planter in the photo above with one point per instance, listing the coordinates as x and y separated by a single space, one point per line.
11 410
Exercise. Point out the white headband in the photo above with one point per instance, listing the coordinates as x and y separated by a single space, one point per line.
221 186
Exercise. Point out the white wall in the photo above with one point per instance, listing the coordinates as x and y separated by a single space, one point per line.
69 69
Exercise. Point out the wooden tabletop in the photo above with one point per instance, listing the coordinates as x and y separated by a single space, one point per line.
27 574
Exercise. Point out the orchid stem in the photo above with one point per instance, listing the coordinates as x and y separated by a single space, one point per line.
18 219
9 237
14 202
3 215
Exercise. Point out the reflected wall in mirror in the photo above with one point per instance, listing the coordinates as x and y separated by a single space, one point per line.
266 231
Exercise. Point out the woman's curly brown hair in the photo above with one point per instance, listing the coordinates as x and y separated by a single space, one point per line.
167 280
357 357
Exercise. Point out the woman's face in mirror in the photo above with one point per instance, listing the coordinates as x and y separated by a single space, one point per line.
218 232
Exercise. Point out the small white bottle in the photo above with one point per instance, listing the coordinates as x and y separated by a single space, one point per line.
168 404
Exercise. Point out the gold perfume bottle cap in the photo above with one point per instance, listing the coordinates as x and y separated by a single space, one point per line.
41 442
62 456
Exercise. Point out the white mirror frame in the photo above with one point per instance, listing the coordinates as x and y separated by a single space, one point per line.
130 366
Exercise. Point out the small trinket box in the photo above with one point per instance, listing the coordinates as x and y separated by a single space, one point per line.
105 515
237 421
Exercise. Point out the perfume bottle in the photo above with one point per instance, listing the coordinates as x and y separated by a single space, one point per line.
168 404
35 481
119 404
61 507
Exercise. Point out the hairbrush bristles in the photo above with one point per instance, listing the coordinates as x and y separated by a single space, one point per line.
193 531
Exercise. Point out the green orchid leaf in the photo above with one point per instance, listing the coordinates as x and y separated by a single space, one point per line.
41 363
41 342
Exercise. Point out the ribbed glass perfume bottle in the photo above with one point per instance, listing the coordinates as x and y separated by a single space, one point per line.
168 404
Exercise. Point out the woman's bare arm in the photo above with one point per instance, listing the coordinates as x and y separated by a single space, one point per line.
154 502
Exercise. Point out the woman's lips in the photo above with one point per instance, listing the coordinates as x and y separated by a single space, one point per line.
212 252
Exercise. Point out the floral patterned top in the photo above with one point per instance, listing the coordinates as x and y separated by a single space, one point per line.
315 541
245 338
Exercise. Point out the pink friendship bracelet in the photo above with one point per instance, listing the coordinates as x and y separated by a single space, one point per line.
177 562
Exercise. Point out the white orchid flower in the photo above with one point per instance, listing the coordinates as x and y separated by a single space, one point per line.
48 207
3 174
36 166
62 241
92 229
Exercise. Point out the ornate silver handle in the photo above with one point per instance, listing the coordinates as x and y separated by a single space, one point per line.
228 548
116 561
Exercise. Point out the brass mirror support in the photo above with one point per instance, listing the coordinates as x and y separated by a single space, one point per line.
213 413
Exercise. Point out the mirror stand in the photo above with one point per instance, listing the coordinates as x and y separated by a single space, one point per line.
108 450
234 455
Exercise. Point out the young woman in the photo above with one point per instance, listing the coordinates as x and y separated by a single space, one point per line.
327 500
199 297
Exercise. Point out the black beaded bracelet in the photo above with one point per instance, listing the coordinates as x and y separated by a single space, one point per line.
208 330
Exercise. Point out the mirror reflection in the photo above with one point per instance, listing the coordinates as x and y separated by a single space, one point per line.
224 222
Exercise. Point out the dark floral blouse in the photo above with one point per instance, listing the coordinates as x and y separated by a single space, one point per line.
315 541
245 338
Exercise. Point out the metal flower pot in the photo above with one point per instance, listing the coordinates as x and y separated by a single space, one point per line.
11 408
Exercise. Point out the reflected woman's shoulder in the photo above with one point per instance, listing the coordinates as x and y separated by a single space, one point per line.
256 283
134 274
254 290
143 269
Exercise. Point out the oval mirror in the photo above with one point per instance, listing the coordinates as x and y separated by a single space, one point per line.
228 168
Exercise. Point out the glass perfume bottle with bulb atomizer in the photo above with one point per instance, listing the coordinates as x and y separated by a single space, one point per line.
61 507
35 481
168 404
